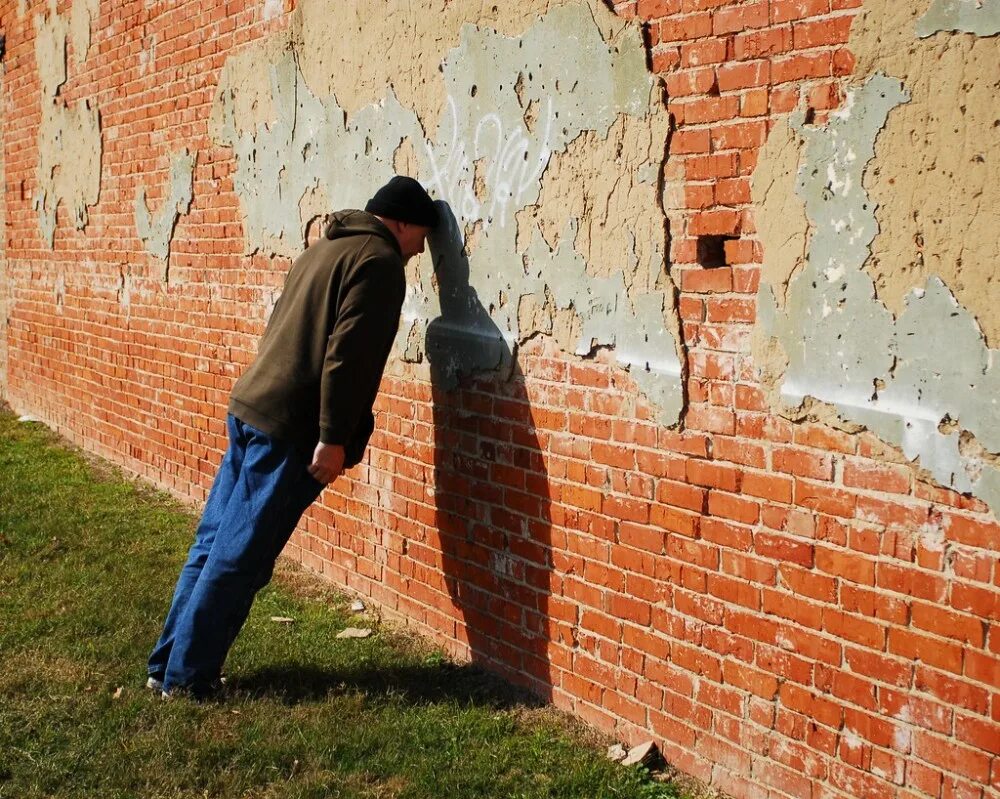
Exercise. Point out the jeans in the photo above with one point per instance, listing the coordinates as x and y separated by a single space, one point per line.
259 494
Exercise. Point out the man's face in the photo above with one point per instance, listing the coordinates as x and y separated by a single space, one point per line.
412 239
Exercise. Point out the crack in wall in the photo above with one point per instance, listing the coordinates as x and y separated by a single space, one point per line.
923 379
575 136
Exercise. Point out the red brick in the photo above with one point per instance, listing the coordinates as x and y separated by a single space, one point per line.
942 654
703 51
877 477
825 499
713 475
740 17
789 10
848 565
821 33
968 629
688 26
744 75
803 463
801 67
691 140
707 281
952 757
729 506
652 9
762 44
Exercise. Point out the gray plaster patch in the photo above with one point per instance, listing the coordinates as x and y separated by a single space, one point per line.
916 381
511 105
981 17
156 233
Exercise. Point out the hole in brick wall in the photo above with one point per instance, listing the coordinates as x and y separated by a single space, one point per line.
712 250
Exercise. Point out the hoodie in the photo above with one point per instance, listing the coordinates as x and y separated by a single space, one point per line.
321 358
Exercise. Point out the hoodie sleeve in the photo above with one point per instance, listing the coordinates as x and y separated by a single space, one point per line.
366 323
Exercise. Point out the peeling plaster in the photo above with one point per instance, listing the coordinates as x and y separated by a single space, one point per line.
157 233
69 137
918 380
981 17
514 134
82 15
933 180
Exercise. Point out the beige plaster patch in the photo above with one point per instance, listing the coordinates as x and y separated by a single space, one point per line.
582 183
779 212
51 31
337 49
934 177
250 88
83 14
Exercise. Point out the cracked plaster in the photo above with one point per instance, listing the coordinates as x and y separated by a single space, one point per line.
507 127
69 137
921 376
156 232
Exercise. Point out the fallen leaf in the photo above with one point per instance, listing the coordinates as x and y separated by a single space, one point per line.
118 692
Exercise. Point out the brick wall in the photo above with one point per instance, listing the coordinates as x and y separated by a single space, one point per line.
789 609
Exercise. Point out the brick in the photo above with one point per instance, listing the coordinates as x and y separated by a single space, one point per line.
952 757
876 477
832 501
947 624
744 75
952 690
789 10
847 565
938 653
762 44
821 33
707 281
652 9
801 67
803 463
713 475
766 486
703 51
740 17
686 27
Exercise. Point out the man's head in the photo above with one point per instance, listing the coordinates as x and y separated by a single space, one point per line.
407 210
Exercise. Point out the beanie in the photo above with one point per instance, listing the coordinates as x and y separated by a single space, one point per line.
404 200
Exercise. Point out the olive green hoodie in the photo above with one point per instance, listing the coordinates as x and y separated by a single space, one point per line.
320 360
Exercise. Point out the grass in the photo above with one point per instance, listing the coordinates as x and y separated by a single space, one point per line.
87 564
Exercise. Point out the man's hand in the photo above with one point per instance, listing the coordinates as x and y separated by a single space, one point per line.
327 463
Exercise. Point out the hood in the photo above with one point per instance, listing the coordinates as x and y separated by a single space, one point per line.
358 223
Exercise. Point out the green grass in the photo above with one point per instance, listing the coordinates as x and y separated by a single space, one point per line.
87 564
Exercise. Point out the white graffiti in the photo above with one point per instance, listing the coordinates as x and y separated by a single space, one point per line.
513 160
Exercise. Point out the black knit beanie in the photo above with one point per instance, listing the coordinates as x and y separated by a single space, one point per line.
404 200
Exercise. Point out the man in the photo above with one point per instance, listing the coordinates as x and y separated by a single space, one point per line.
299 416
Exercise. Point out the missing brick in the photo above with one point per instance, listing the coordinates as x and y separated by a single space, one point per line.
712 250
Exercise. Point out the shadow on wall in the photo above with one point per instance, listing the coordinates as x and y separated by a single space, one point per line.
491 488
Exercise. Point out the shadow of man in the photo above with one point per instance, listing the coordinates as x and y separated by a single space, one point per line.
491 488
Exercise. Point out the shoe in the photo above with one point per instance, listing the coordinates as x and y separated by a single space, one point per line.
213 691
154 685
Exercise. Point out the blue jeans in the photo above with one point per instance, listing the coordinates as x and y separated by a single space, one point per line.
259 494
